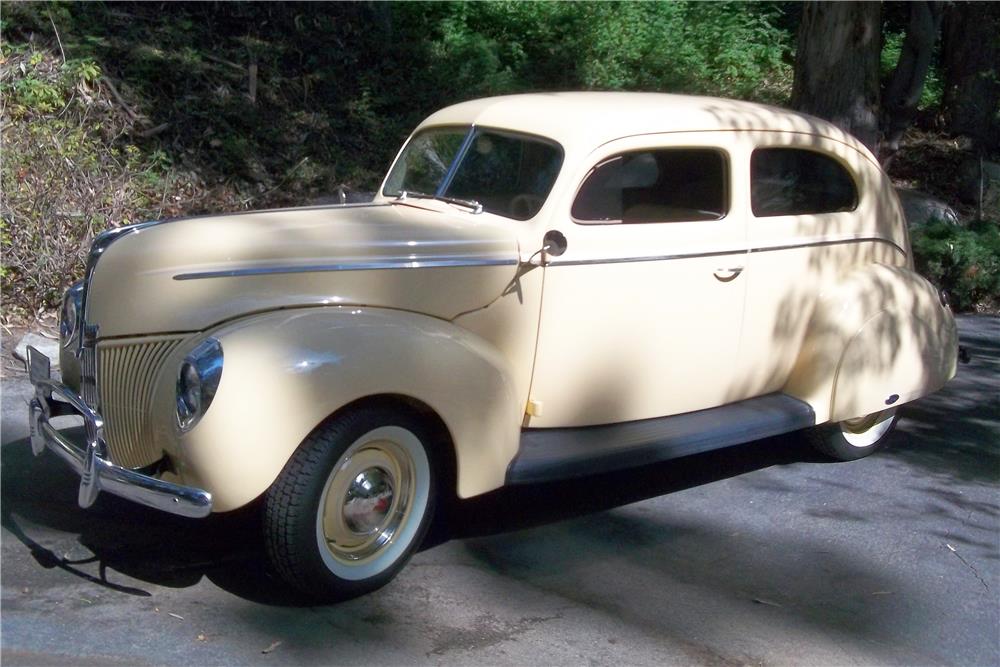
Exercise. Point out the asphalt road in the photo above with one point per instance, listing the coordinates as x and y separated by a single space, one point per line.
760 554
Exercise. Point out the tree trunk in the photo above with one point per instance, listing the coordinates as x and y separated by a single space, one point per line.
971 60
902 94
837 66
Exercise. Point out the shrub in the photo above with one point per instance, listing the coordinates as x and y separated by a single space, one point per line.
69 171
963 260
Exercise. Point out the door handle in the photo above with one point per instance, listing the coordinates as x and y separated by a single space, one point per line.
725 275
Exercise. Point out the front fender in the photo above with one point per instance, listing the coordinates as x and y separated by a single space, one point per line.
881 337
284 372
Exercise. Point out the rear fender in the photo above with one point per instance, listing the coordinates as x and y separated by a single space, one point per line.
882 337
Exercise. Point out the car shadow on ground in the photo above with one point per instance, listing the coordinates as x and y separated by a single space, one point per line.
166 550
969 408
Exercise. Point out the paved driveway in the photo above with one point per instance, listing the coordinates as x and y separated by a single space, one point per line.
754 555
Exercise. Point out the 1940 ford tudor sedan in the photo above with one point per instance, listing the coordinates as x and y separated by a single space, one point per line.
545 286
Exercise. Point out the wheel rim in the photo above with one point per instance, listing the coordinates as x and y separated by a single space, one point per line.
868 430
372 503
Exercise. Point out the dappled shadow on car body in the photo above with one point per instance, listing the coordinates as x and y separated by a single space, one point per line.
800 322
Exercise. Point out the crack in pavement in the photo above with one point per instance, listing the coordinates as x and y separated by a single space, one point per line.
974 571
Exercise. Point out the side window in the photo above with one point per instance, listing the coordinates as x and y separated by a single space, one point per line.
665 185
792 181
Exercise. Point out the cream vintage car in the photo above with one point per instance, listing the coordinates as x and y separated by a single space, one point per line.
545 286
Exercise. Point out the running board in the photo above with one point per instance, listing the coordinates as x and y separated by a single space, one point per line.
549 454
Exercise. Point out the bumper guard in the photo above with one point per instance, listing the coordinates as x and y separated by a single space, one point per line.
96 471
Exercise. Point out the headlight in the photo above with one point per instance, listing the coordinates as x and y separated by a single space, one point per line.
69 316
197 381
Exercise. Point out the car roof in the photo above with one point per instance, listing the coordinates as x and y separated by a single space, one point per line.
594 118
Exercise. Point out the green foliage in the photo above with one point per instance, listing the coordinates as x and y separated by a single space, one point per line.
340 84
933 90
963 260
67 174
83 70
36 94
731 49
337 88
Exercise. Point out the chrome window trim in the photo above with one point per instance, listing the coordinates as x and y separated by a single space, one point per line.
836 159
727 185
474 131
455 162
428 263
720 253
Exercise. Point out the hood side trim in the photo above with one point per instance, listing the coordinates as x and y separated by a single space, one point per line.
403 263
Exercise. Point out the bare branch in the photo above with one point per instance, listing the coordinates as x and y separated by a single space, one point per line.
56 30
118 97
153 131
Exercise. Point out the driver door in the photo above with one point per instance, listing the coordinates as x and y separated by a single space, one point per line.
641 315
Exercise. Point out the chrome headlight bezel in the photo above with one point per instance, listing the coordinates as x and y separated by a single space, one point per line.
70 314
198 378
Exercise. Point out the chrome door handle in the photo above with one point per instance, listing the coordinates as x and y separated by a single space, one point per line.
725 275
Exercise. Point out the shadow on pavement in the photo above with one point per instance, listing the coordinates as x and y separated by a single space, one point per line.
517 508
719 582
177 552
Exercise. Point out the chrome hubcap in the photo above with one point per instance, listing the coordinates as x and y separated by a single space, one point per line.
367 499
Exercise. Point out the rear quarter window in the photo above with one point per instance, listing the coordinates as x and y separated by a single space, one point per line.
793 181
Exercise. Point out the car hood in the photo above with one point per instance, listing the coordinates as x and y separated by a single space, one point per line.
189 274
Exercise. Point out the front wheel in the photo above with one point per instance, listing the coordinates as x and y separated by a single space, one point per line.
352 504
854 438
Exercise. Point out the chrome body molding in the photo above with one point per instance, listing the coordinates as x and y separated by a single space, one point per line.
360 265
96 471
827 242
644 258
725 252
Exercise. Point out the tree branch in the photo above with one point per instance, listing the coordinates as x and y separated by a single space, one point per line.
121 100
58 39
902 95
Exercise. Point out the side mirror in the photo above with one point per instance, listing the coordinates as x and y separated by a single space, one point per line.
554 243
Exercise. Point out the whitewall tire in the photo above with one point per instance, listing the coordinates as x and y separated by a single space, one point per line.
352 505
854 438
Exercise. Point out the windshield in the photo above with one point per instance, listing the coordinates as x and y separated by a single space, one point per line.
509 174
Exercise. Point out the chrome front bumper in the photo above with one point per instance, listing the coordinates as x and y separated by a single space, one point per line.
97 473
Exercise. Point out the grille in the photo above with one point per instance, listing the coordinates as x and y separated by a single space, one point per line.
126 376
88 376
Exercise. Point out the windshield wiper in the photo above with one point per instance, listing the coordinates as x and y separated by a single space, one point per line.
469 203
